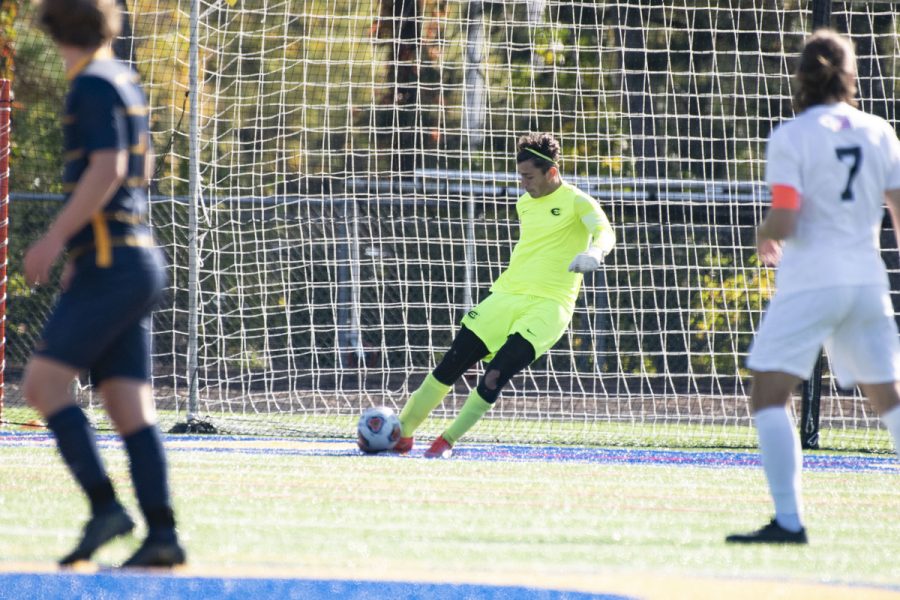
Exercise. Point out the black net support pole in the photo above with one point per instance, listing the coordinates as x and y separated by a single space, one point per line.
810 400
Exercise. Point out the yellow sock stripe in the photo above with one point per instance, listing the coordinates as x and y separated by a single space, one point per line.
102 241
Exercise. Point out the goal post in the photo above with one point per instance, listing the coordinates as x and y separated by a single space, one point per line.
342 210
336 186
5 150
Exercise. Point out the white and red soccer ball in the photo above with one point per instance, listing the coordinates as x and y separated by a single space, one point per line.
378 430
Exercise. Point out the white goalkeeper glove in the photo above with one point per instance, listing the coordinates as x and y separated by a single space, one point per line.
587 261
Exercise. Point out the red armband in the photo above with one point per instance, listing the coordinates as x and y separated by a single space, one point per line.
786 197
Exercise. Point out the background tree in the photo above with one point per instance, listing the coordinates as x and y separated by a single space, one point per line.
8 11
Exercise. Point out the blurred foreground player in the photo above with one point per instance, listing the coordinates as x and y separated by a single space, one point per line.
111 282
830 170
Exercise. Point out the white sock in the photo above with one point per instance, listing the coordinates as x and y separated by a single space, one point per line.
891 420
779 448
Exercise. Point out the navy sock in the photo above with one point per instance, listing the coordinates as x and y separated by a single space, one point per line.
148 473
76 443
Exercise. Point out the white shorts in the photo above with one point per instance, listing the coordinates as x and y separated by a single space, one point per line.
855 325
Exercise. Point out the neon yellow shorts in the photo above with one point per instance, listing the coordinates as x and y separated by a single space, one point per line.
539 320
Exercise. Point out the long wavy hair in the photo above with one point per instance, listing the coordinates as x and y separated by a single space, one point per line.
827 71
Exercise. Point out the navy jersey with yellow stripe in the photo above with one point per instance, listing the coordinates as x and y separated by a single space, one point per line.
105 109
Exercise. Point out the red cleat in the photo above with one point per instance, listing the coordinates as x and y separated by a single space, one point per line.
440 448
404 445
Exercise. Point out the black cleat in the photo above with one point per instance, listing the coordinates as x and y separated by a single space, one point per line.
99 530
773 533
157 553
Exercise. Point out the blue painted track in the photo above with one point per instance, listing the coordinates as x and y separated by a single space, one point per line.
120 586
498 452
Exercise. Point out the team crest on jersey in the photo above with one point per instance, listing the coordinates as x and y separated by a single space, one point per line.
834 122
555 211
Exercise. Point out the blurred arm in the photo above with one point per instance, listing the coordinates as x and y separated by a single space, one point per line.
105 172
780 223
893 204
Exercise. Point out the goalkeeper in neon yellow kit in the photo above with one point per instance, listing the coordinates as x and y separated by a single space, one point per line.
563 234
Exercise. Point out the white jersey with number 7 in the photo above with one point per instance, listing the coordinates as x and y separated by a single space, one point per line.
840 161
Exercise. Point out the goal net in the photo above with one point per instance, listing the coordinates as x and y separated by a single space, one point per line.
336 188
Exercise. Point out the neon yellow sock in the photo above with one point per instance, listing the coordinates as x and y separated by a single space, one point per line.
420 403
471 413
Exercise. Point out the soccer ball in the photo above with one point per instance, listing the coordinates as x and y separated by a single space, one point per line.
378 430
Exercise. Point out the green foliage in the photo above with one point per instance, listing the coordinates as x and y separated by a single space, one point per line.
8 11
39 88
27 308
329 86
35 164
725 311
568 71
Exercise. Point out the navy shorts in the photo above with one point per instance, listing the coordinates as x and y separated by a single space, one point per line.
102 322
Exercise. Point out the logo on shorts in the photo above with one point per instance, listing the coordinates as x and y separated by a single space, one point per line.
472 314
555 212
529 331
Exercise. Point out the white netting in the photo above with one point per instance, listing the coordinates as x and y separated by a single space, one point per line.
357 186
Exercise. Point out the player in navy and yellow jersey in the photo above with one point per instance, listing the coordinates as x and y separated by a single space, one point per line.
112 280
563 234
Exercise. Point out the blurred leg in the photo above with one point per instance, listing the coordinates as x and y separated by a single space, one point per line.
46 385
779 443
885 397
129 403
47 388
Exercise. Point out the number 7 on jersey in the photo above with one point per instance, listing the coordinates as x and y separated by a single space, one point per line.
852 156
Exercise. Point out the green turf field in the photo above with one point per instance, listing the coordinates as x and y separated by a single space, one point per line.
398 517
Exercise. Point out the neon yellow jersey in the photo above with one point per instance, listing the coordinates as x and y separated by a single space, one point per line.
553 229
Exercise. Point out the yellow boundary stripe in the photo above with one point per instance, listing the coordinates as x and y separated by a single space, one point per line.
261 444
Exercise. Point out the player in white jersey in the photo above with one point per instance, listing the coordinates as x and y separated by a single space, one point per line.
830 171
